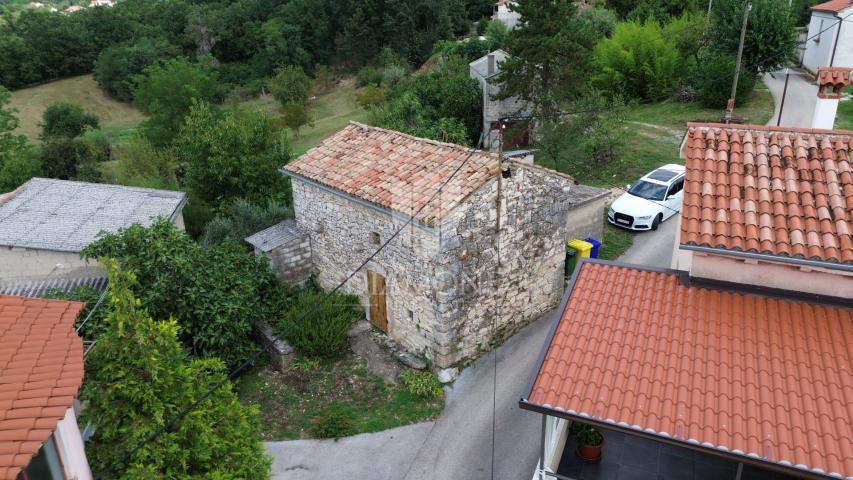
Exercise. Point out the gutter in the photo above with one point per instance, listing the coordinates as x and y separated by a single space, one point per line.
844 267
372 206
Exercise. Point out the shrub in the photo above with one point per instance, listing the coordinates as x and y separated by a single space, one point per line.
368 76
242 219
422 384
370 96
393 74
638 61
714 80
95 325
290 85
66 120
323 332
335 422
585 434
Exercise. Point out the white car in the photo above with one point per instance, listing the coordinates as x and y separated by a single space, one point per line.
651 200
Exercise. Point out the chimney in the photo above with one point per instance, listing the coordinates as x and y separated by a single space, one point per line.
831 81
491 67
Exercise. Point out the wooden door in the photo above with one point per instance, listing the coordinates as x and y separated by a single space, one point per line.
378 312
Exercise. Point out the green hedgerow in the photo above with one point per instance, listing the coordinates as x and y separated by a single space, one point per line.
335 422
423 384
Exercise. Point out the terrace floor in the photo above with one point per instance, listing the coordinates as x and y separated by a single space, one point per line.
626 457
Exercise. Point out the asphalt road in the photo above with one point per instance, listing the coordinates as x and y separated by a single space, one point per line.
459 444
799 100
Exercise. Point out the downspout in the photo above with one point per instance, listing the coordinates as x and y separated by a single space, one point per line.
837 36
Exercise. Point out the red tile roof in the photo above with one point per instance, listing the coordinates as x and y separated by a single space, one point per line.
41 369
396 171
785 192
833 6
836 77
749 375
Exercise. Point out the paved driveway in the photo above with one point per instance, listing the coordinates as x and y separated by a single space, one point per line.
459 444
799 100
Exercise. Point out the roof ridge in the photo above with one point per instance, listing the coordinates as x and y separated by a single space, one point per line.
453 146
769 128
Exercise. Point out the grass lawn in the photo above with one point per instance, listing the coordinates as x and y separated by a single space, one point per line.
117 119
616 241
331 112
293 403
844 117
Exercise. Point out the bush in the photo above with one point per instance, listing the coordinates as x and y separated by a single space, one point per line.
323 332
638 61
368 76
714 80
393 74
117 64
242 219
66 120
422 384
290 85
335 422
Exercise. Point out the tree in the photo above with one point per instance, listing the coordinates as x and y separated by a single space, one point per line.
118 64
295 116
290 85
637 61
10 142
66 120
18 169
242 219
232 155
214 294
771 38
657 9
18 163
550 54
139 378
166 91
73 158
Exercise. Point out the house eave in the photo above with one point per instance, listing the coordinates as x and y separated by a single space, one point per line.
801 262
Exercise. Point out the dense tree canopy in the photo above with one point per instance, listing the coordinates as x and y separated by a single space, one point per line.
770 37
118 64
139 378
67 120
18 163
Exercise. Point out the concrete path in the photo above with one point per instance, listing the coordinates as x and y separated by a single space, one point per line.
799 100
375 456
459 444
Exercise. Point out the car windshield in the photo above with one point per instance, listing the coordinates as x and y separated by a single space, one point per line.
648 190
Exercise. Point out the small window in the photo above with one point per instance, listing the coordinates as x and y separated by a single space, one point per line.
374 238
411 316
676 187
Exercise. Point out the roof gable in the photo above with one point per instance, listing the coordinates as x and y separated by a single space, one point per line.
781 192
833 6
396 171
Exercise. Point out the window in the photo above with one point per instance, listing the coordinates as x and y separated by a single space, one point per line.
45 464
648 190
411 316
374 238
676 187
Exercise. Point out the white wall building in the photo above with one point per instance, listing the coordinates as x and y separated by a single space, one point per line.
830 40
505 15
45 223
512 111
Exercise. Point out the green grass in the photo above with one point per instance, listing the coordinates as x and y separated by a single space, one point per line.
844 117
616 241
118 120
331 112
293 403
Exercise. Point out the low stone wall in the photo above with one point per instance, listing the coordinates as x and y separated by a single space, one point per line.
280 352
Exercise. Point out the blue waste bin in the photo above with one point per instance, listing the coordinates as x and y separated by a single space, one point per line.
595 246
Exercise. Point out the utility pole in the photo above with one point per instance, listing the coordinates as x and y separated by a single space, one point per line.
710 2
784 94
731 106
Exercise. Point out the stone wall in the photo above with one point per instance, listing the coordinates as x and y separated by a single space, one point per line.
586 219
292 260
342 237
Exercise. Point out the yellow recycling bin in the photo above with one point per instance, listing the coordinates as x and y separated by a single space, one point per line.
575 250
584 248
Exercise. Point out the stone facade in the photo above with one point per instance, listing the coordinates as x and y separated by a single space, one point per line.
288 248
454 290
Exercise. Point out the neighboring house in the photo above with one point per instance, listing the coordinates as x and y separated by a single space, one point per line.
737 360
503 14
101 3
288 250
73 9
460 276
511 110
830 40
41 370
768 206
45 223
35 5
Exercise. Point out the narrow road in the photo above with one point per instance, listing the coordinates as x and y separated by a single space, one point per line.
799 100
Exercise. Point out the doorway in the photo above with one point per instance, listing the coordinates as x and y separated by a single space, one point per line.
378 310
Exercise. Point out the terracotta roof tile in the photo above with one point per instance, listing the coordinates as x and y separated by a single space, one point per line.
395 170
41 369
805 201
759 376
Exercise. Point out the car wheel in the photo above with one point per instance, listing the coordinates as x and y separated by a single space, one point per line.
656 222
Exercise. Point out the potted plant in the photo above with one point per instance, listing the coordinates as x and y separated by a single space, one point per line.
589 441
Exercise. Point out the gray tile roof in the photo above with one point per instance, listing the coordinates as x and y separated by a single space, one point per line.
40 288
275 236
66 216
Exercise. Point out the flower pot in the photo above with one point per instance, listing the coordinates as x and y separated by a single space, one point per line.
590 453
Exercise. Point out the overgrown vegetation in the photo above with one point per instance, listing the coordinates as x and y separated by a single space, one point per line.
139 378
423 383
296 404
214 294
317 326
94 314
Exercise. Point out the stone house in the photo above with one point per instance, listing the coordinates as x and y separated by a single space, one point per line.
46 223
830 36
502 13
511 110
483 254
